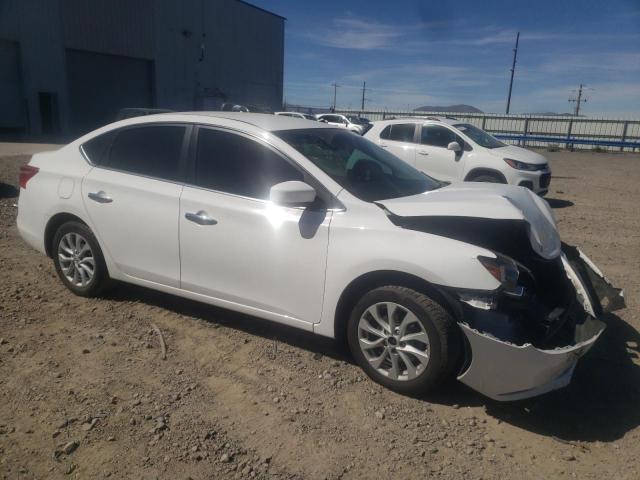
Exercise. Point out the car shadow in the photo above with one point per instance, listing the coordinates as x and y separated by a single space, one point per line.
8 191
602 402
294 337
559 203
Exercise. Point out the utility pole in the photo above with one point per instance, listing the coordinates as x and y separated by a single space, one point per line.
364 88
579 100
513 71
335 93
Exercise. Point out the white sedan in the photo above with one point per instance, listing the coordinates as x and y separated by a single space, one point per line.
341 121
317 228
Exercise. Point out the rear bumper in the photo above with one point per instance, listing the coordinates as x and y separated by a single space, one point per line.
505 371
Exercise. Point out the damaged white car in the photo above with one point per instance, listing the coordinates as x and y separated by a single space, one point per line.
320 229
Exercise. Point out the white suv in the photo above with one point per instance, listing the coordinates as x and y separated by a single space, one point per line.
341 121
454 151
314 227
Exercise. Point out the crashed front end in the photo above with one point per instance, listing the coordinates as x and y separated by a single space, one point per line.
524 338
527 342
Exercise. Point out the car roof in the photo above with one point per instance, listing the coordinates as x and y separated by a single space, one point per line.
264 121
423 119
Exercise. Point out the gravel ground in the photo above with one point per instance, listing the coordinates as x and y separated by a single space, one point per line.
84 392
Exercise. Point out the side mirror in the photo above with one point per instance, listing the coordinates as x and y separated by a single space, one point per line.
454 147
293 194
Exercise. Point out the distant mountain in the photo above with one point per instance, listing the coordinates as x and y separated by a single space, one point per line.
451 108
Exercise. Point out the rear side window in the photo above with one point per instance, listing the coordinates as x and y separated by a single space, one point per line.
97 148
231 163
151 150
400 132
438 136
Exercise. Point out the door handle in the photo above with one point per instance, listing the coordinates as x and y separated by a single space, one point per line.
201 218
384 145
422 152
100 197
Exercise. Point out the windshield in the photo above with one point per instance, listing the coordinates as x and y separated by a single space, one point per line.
479 136
364 169
308 117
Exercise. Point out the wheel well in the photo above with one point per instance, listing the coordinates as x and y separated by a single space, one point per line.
52 227
358 287
476 172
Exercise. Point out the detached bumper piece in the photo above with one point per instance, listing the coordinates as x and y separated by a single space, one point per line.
505 371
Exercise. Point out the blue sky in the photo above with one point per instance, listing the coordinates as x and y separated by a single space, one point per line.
414 53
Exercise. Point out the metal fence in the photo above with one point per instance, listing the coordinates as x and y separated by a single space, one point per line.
539 131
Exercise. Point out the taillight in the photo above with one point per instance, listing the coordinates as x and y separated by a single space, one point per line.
26 173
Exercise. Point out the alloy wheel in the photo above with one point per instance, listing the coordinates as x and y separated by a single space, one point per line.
76 259
393 341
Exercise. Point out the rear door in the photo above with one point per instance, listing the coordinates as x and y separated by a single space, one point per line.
433 157
400 140
237 246
132 197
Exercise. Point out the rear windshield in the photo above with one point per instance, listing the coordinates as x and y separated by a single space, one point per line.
360 166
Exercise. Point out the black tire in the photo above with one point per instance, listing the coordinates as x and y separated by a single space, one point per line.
488 178
100 279
442 331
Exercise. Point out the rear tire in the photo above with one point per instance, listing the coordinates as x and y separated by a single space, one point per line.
78 259
419 333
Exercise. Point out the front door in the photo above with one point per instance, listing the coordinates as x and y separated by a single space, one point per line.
238 247
433 157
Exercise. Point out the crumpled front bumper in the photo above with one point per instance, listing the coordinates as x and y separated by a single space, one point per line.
504 371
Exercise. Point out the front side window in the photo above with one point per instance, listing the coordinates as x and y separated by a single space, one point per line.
358 165
438 136
479 136
399 132
231 163
153 151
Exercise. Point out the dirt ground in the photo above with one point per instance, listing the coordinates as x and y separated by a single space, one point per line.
84 392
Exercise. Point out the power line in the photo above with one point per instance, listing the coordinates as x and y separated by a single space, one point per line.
579 100
513 71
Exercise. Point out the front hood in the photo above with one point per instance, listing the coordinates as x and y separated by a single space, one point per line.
486 201
518 153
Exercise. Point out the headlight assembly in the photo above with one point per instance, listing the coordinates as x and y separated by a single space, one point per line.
504 270
530 167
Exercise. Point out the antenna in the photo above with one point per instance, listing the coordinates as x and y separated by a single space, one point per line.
513 71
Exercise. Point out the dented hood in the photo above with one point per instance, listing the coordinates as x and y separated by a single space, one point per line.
491 201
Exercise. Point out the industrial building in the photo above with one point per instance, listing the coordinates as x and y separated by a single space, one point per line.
69 66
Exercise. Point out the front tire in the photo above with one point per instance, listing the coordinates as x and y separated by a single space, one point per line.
403 339
487 178
78 260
